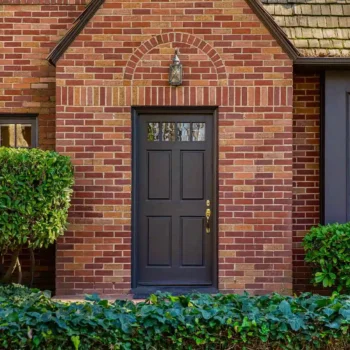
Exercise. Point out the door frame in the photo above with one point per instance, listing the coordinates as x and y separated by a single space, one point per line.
142 291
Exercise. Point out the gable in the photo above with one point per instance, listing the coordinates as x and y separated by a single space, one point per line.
94 5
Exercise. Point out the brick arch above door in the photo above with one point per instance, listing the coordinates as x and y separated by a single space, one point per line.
183 38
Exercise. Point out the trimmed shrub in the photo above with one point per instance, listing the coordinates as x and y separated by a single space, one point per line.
35 191
197 321
328 250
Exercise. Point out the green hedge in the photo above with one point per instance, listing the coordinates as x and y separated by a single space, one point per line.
35 191
31 320
328 250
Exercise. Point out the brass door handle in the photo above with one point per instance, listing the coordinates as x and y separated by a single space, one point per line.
207 215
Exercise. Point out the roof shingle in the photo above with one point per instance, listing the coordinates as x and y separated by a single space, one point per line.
315 27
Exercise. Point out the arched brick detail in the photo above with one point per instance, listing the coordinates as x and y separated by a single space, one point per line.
185 38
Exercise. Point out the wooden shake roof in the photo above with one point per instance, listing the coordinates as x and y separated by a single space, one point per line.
318 28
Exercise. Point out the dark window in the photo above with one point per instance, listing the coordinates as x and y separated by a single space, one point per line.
18 131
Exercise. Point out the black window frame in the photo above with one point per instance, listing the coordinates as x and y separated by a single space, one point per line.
15 118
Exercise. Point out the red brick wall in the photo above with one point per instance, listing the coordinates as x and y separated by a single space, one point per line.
230 61
28 31
44 2
27 81
306 147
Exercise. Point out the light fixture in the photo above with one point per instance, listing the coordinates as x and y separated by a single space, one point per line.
175 71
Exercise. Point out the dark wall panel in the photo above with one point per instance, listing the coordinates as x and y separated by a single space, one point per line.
336 133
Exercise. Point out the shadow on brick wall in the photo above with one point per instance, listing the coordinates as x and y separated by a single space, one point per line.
44 276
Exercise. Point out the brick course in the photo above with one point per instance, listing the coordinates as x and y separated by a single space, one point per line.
306 182
231 61
42 2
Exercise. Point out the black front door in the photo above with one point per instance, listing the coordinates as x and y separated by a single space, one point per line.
175 209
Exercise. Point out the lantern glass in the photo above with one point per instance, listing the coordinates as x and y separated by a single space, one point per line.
175 74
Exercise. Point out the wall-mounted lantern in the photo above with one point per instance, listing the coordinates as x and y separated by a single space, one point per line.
175 71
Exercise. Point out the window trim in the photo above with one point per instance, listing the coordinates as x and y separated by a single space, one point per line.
16 118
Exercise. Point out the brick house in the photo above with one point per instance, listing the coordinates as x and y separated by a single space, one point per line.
257 134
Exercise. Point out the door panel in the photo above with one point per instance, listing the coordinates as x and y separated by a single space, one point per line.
175 165
159 174
159 241
192 174
192 232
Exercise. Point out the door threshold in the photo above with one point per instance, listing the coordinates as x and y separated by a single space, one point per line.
143 292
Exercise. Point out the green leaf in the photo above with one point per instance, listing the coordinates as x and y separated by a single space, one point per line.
36 341
92 297
296 323
75 341
345 313
334 325
200 341
153 298
285 308
328 311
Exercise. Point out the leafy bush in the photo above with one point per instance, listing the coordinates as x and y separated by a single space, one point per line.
35 191
328 249
163 321
15 294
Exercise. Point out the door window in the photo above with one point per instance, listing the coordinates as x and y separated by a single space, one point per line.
184 131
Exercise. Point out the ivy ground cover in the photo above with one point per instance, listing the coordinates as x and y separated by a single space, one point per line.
30 319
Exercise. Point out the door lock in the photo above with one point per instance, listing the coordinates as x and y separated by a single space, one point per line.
207 215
